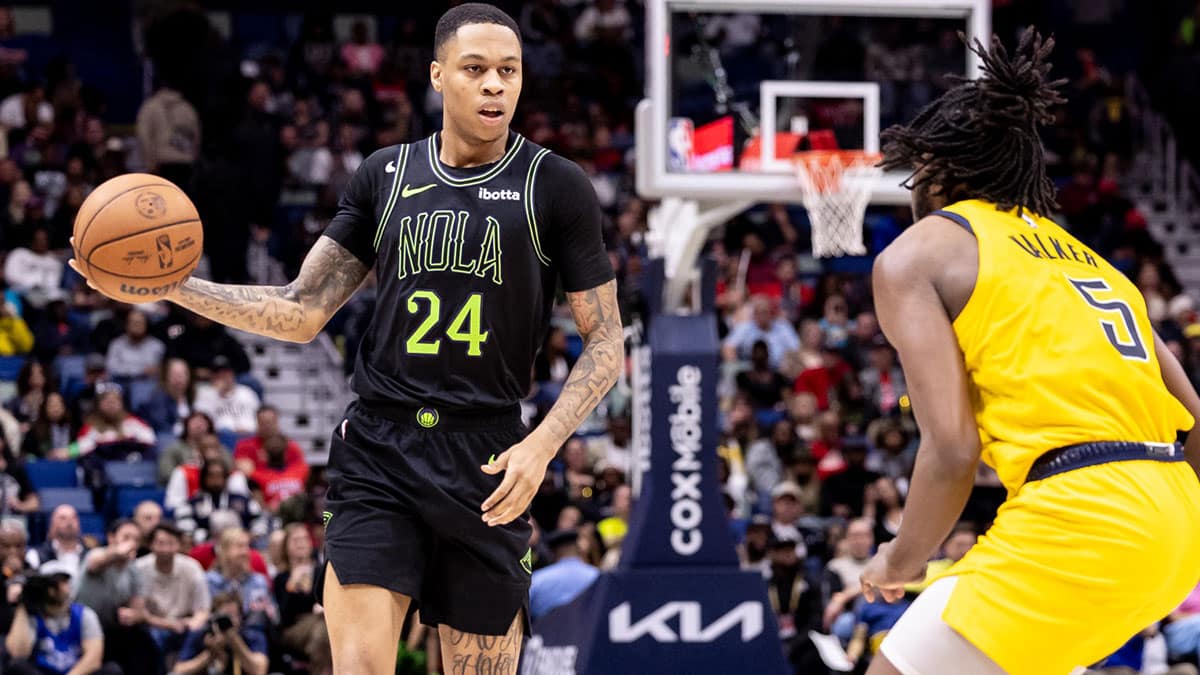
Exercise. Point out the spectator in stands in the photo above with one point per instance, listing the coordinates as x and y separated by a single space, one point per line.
214 495
168 132
233 573
580 479
15 336
26 108
186 449
765 325
896 451
1183 631
563 580
361 56
273 461
147 515
202 342
13 571
835 322
765 387
171 402
238 648
785 515
283 475
206 554
822 380
766 457
63 541
52 635
882 379
301 621
185 481
111 432
843 493
135 354
796 602
802 470
177 598
111 584
17 497
35 272
53 432
231 405
884 506
81 396
33 385
56 332
961 539
552 364
845 570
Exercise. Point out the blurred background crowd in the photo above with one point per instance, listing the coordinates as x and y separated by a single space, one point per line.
152 502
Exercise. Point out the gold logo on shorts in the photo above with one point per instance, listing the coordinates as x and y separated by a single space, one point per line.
427 417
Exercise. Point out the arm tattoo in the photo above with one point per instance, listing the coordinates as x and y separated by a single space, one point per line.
599 366
473 654
296 312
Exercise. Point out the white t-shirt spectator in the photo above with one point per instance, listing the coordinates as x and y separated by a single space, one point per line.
12 112
233 412
25 270
178 595
130 429
616 20
129 359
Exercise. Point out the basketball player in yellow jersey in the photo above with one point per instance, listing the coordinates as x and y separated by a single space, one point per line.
1024 348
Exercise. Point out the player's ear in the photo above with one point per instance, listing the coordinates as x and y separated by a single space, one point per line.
435 76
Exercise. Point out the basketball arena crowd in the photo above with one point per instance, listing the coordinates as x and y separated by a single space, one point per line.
148 490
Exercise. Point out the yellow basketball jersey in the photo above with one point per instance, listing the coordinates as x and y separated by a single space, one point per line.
1058 346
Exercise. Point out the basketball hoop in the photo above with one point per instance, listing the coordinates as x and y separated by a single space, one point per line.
835 186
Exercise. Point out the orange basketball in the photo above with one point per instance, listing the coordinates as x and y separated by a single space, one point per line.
137 237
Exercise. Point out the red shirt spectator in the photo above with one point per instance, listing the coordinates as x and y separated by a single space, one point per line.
206 555
822 380
275 463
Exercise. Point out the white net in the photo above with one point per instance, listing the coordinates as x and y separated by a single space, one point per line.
836 187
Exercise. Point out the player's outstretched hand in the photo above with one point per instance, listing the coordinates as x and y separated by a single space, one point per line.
75 266
883 577
524 466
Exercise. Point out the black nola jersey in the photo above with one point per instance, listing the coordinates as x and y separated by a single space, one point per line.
467 261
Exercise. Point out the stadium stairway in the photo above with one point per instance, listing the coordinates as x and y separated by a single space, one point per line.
305 382
1166 189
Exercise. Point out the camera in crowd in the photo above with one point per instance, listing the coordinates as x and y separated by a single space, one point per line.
219 623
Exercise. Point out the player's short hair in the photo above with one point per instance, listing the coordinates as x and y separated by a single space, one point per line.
465 15
983 134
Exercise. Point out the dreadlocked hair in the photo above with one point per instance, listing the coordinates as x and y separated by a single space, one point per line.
983 134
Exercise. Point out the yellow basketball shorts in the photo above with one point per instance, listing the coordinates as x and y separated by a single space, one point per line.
1077 564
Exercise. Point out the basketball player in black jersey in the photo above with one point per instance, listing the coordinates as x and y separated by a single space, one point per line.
431 473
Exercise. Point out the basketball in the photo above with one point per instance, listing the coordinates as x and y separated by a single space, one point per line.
137 237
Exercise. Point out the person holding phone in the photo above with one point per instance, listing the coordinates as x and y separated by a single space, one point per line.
226 646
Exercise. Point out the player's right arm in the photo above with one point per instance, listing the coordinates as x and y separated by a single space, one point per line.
296 312
920 281
333 269
1181 388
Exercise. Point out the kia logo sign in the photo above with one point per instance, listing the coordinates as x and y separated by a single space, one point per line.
748 615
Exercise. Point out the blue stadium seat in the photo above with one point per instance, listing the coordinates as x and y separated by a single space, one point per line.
127 498
93 524
71 368
141 390
80 498
131 474
9 367
52 474
164 439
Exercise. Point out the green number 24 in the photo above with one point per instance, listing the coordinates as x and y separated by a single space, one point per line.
468 317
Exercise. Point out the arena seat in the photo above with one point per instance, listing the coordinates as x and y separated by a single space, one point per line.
80 498
51 474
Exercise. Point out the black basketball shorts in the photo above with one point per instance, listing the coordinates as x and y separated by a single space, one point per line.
403 513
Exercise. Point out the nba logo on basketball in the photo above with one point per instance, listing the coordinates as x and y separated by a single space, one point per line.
166 257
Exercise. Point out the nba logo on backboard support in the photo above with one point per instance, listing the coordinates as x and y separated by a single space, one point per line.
680 131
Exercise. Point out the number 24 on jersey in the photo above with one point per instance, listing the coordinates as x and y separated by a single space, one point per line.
464 327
